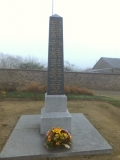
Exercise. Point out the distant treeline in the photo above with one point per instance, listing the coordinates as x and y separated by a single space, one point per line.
18 62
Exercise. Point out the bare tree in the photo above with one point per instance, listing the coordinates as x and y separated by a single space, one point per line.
31 63
68 66
9 61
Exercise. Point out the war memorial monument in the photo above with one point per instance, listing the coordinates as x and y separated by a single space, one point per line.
27 139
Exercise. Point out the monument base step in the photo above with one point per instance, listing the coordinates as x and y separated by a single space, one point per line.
26 142
54 119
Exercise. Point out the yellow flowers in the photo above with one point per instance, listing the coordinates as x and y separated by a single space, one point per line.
56 130
3 93
57 137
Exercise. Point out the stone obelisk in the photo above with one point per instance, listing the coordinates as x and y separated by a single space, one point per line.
55 113
55 57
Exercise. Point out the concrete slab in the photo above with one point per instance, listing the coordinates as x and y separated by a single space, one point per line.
26 143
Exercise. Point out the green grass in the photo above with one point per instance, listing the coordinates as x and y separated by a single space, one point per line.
23 95
41 96
109 100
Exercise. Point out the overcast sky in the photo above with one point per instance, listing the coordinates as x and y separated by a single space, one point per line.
91 29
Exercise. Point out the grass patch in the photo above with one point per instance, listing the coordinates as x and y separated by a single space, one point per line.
23 95
109 100
41 96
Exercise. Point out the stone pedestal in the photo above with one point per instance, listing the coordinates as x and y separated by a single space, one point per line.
25 142
55 113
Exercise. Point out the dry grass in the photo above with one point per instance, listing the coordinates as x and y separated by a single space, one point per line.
76 90
42 89
32 87
35 87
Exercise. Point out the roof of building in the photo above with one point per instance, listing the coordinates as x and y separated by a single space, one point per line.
113 62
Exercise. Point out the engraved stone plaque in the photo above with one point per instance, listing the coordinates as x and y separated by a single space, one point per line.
55 84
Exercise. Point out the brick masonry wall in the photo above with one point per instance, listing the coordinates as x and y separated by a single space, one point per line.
96 81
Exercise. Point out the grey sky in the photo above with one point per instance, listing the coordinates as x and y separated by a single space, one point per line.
91 28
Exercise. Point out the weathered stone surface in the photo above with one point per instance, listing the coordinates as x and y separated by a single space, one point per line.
96 81
55 103
55 84
54 119
26 142
55 113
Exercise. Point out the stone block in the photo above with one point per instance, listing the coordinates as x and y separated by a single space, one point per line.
54 119
55 103
55 113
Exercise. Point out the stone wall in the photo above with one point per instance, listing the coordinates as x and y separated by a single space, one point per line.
96 81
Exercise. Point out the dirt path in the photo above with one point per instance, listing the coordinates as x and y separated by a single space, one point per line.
104 117
113 94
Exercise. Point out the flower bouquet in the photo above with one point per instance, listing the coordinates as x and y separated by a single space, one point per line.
57 137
